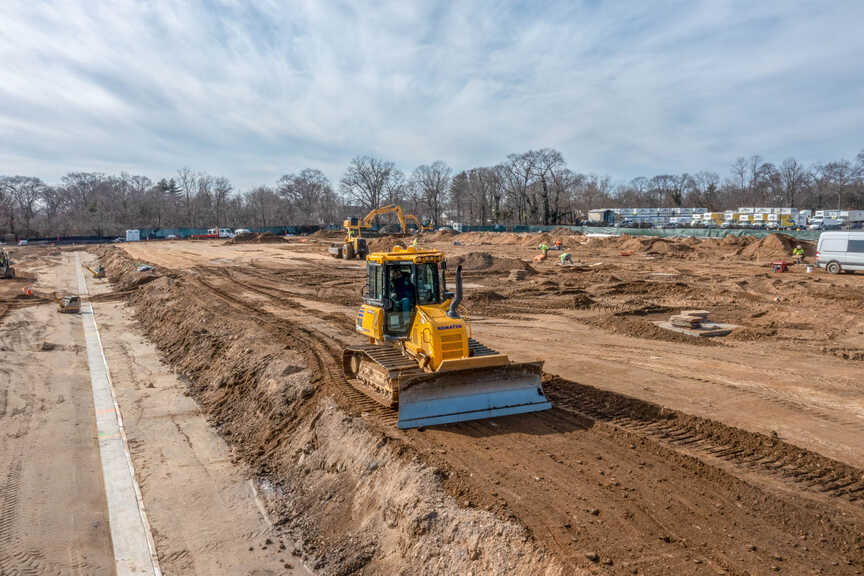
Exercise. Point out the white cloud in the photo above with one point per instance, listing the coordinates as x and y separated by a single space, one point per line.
255 90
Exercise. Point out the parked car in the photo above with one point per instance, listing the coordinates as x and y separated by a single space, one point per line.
840 251
171 237
242 232
22 243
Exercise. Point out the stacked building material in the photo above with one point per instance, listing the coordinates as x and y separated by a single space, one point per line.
689 318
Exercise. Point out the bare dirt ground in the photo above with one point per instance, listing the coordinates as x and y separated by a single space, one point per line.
663 455
53 518
203 509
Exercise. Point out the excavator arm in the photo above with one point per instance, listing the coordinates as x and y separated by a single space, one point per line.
388 209
416 221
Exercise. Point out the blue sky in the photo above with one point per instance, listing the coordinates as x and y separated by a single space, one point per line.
254 90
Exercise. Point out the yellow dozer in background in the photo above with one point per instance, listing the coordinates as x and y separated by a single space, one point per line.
420 355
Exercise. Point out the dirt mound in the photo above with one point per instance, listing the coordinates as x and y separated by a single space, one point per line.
773 246
384 243
643 327
738 241
654 245
486 297
489 263
327 234
438 236
262 238
125 272
600 242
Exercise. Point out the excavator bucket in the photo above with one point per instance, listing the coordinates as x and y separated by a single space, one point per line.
474 394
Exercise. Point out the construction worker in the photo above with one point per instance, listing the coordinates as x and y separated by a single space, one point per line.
544 248
557 244
566 259
414 242
798 254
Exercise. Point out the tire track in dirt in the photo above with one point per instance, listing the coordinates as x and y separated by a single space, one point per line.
323 353
707 439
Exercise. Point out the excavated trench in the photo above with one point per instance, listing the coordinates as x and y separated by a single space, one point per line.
602 483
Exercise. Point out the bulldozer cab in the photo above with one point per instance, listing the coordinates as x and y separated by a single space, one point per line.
399 286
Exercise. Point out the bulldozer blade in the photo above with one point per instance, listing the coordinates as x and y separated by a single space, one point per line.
474 394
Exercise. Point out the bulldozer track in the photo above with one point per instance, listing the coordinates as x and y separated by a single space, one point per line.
749 451
322 357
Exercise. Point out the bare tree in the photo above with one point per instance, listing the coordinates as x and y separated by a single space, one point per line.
21 195
545 165
520 172
310 194
366 180
794 178
264 205
221 191
189 186
433 182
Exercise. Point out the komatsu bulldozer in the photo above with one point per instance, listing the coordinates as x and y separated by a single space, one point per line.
420 356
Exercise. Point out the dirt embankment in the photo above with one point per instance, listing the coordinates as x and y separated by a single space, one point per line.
260 238
483 261
358 500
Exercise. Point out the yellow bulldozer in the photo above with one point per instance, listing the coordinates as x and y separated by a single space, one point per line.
69 304
354 245
420 356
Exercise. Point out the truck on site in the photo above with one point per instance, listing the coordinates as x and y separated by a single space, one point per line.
601 217
840 251
823 223
420 356
214 234
357 230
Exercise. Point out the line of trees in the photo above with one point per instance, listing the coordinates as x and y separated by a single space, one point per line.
535 187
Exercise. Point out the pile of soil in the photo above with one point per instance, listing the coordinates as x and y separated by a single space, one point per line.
774 246
262 238
384 243
643 327
327 234
651 244
438 236
488 263
123 271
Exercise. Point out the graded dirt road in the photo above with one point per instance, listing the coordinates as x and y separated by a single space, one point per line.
663 454
53 518
203 509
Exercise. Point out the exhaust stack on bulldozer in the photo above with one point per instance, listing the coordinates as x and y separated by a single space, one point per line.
421 357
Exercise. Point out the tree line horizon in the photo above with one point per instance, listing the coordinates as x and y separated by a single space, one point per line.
534 187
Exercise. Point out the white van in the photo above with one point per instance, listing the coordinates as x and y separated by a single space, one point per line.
838 251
